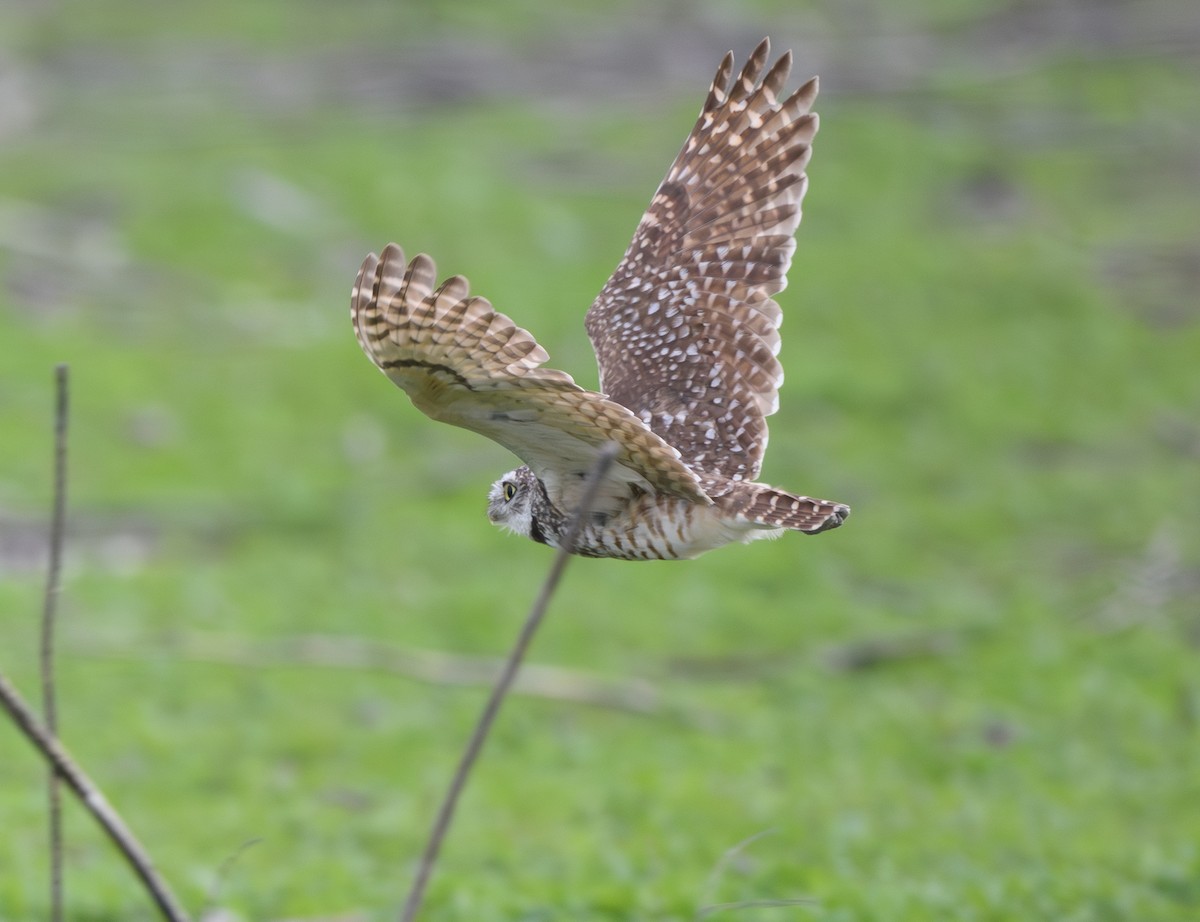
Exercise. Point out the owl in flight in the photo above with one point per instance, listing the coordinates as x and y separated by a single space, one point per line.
685 334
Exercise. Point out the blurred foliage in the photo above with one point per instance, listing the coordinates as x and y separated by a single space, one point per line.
978 700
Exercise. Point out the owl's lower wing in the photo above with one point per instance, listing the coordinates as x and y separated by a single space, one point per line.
686 331
464 364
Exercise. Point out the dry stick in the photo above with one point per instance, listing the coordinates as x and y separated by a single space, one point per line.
92 798
722 865
49 610
446 812
44 738
718 871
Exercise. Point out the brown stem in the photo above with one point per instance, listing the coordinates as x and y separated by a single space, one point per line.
92 798
503 683
49 611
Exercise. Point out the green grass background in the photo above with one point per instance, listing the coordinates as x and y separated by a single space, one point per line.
992 343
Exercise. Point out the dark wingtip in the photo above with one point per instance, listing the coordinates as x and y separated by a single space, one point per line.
840 513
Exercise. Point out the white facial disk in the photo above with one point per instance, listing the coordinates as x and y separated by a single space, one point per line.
510 500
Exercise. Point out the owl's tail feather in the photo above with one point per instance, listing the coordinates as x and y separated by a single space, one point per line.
768 507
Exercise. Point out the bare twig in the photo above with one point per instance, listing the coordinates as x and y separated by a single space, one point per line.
49 611
222 875
722 865
718 872
446 812
44 736
538 680
92 798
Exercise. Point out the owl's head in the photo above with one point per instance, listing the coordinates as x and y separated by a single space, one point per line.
510 503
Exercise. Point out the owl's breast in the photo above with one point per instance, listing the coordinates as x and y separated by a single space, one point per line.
658 527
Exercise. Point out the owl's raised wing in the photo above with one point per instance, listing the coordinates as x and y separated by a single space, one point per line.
465 364
685 331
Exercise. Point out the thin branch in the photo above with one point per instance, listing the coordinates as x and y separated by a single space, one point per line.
446 812
718 872
92 798
722 865
49 612
222 875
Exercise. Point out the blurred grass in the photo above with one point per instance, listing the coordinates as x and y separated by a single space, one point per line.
991 346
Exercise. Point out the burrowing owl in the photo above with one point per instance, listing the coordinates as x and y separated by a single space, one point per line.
685 334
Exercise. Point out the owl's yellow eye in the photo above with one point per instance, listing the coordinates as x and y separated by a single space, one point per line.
510 490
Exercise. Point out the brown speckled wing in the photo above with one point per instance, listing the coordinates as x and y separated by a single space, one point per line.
465 364
686 331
